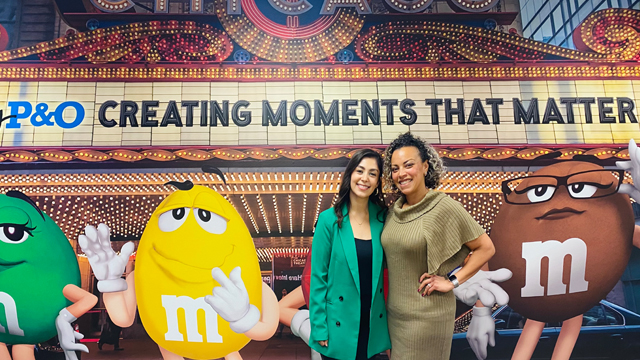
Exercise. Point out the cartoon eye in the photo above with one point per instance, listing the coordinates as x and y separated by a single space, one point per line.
211 222
582 190
173 219
13 233
540 193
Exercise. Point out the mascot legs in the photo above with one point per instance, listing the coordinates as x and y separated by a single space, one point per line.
567 339
4 352
23 352
528 340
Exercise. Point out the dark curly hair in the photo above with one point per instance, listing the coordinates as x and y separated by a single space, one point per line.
427 153
345 185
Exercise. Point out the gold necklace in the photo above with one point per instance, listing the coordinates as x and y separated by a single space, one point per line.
359 223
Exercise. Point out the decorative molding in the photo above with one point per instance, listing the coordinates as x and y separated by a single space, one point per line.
113 6
608 42
474 6
357 72
606 36
482 152
263 38
150 42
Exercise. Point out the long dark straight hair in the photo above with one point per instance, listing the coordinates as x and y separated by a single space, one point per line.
345 186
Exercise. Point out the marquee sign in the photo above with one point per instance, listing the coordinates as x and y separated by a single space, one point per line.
346 112
110 114
341 112
208 80
311 31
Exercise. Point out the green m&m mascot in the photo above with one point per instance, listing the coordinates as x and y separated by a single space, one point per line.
39 281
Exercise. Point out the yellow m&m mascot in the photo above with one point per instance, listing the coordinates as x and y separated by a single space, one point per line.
192 241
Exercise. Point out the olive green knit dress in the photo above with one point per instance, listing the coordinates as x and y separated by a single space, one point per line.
426 237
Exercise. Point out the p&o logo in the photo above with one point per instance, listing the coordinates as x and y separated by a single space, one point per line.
41 115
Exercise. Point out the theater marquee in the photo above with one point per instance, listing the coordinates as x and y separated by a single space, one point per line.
317 73
318 113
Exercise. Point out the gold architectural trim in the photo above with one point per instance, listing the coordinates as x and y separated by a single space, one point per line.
483 152
549 70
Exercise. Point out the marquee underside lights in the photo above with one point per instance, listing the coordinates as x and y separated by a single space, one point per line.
268 253
127 200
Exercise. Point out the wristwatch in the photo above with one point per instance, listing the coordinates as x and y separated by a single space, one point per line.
454 281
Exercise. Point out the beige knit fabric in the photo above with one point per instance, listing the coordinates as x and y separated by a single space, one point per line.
425 237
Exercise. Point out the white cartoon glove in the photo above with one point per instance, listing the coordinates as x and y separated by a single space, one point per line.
481 331
67 336
231 301
633 167
105 263
301 326
482 286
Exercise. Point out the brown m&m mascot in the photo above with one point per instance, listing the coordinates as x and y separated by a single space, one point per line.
566 232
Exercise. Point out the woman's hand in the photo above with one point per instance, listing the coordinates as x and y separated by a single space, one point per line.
324 343
431 283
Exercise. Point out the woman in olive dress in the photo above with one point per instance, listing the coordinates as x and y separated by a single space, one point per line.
427 235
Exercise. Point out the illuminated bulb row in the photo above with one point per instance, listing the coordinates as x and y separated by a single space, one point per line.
158 72
331 3
304 210
108 6
234 5
474 4
483 207
289 6
344 26
248 211
315 218
267 254
404 5
127 215
124 215
286 252
226 197
290 214
277 212
196 5
264 215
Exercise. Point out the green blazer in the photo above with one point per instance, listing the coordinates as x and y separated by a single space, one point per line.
334 295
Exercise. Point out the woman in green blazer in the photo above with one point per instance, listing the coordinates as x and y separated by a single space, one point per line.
346 300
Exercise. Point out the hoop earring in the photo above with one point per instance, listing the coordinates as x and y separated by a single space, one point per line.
375 193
